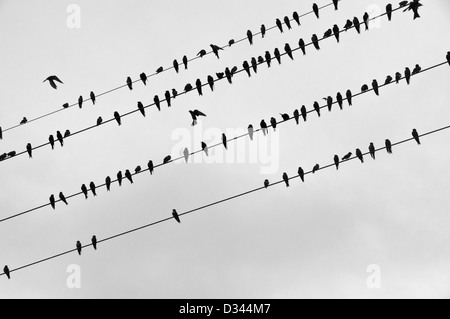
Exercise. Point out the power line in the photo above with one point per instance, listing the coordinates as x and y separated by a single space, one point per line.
185 92
153 74
216 145
217 203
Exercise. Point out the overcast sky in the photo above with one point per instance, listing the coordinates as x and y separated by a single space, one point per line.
310 240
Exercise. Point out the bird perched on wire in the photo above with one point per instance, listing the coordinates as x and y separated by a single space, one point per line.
316 10
302 46
93 97
141 108
268 57
63 198
185 62
129 176
408 75
347 157
176 66
67 134
195 114
99 121
398 77
389 11
340 100
337 161
254 65
216 49
315 41
30 150
414 5
296 18
336 4
336 32
84 190
251 131
229 75
157 102
150 167
365 88
186 154
360 155
250 37
301 174
266 183
349 96
263 31
388 144
224 141
357 24
66 105
279 25
287 22
366 20
130 83
138 169
168 98
264 128
297 116
119 177
24 121
317 107
79 247
388 80
375 87
205 148
7 272
348 25
176 216
60 138
52 201
246 67
160 70
1 133
108 183
304 113
51 140
274 123
199 86
118 118
372 150
231 42
448 57
328 33
143 78
52 81
94 242
288 50
167 159
93 188
417 70
316 168
329 100
202 53
416 136
211 82
286 179
277 54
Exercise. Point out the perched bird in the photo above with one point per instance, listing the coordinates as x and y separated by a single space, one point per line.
360 155
7 272
150 167
3 156
337 161
279 25
1 133
388 80
160 70
372 150
30 150
328 33
297 116
118 118
266 183
251 131
99 121
416 136
273 123
340 100
130 83
229 75
216 49
254 65
231 42
286 179
349 96
296 17
137 170
141 108
366 20
347 157
250 37
176 66
315 41
94 242
167 159
357 24
108 183
225 141
129 176
316 10
246 67
389 11
398 77
79 247
365 88
287 21
176 216
403 4
304 113
174 94
375 87
335 3
317 107
67 133
348 25
60 138
414 5
264 128
63 198
93 98
186 154
329 103
211 82
388 144
195 114
199 87
144 78
80 102
316 168
52 81
205 148
185 62
336 32
301 174
285 117
52 201
448 57
12 154
263 31
407 75
268 58
260 60
119 177
202 53
24 121
288 50
277 54
302 45
220 75
84 190
168 98
51 140
93 188
417 70
157 102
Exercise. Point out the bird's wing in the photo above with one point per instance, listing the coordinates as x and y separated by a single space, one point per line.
198 113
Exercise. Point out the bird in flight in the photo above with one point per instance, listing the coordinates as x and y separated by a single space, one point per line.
176 216
416 136
52 81
195 114
79 247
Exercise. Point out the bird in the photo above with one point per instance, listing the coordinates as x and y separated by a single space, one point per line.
336 32
144 78
288 50
329 100
273 122
220 75
3 157
414 5
119 177
159 70
263 31
297 116
185 62
216 49
403 4
52 201
176 66
150 167
302 45
167 159
407 75
328 33
389 11
316 168
250 130
277 54
24 121
372 150
186 154
347 157
118 118
80 102
340 100
99 121
225 141
336 3
398 77
279 25
93 188
7 272
416 136
264 128
315 41
52 81
93 97
268 58
174 94
260 60
141 108
286 179
94 242
60 138
317 107
176 216
157 102
266 183
231 42
285 117
67 133
108 183
375 87
11 154
205 148
301 174
250 37
348 25
287 21
388 80
30 150
296 17
199 87
84 190
79 247
417 70
304 113
349 96
388 144
366 20
202 53
130 83
195 114
359 154
357 24
168 98
1 133
336 161
51 140
211 82
316 10
229 75
129 176
365 88
246 67
448 57
137 170
254 65
63 198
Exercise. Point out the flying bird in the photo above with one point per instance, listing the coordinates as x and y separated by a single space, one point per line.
375 87
340 100
389 80
119 177
360 155
417 70
211 82
357 24
63 198
388 144
304 113
144 78
93 97
317 108
199 87
51 140
250 37
297 116
94 242
279 25
286 179
186 154
250 130
268 58
372 150
141 108
195 114
24 121
302 45
347 157
52 81
108 183
287 21
266 183
277 54
129 176
84 190
296 17
316 168
93 188
216 49
79 247
176 66
185 62
167 159
30 150
407 75
336 32
176 216
389 11
205 148
157 102
416 136
7 272
337 161
315 41
288 50
316 10
130 83
263 31
52 201
168 98
349 96
150 167
301 174
225 141
414 5
99 121
264 128
118 118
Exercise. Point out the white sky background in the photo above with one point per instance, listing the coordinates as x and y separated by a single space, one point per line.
311 240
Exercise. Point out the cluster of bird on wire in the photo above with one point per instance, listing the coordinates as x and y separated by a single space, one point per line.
337 159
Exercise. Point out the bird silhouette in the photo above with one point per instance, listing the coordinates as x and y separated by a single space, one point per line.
266 183
186 154
137 170
317 108
141 108
297 116
157 102
288 50
365 88
261 60
60 138
285 117
229 75
129 176
416 136
448 57
349 96
80 102
198 85
160 70
340 100
388 144
360 155
211 82
52 201
93 188
357 24
366 20
328 33
254 65
79 247
277 54
7 272
176 216
195 114
329 100
1 133
67 133
251 131
302 46
336 32
176 66
51 140
225 141
168 98
185 62
174 94
348 25
337 161
287 21
205 148
264 128
417 70
375 87
301 174
286 179
30 150
305 113
150 167
99 121
372 150
316 168
52 81
118 118
93 97
130 83
279 25
403 4
414 5
268 58
143 78
84 190
250 37
347 157
63 198
231 42
12 154
398 77
388 80
201 54
24 121
167 159
246 67
408 75
263 31
108 183
296 17
220 75
335 3
216 49
3 157
94 242
316 10
315 41
119 177
389 11
273 122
